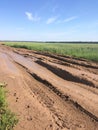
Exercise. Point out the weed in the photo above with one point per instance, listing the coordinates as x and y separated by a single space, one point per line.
7 119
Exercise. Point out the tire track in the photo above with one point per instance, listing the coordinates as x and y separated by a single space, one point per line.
72 61
63 96
65 74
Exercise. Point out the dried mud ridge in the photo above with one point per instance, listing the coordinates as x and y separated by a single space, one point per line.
71 60
65 74
64 97
50 92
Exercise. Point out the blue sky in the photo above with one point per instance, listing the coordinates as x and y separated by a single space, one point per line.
49 20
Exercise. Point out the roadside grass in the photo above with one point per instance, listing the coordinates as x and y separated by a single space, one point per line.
79 50
7 119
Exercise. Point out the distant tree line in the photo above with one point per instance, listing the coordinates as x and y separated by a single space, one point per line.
70 42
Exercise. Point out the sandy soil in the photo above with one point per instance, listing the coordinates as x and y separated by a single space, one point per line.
50 92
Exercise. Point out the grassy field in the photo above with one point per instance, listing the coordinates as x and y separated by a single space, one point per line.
86 51
7 118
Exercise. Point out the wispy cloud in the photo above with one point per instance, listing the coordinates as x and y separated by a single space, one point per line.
70 19
51 20
31 17
66 20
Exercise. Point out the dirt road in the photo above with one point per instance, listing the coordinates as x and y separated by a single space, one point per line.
50 92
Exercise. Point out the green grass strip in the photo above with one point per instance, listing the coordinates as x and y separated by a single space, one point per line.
7 119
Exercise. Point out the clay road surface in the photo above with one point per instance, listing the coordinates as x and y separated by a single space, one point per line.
50 92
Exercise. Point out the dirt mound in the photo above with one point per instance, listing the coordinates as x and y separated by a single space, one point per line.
50 92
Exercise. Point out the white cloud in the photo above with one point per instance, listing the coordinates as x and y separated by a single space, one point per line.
66 20
31 17
70 19
51 20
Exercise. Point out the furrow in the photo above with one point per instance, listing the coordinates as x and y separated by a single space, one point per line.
65 74
68 59
65 97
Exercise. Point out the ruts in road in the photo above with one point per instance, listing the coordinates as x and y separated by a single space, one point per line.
50 92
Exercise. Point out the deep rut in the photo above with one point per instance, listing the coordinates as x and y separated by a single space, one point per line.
65 74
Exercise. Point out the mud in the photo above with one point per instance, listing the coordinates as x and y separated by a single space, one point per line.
50 92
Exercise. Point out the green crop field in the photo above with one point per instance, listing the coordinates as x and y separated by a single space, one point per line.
79 50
